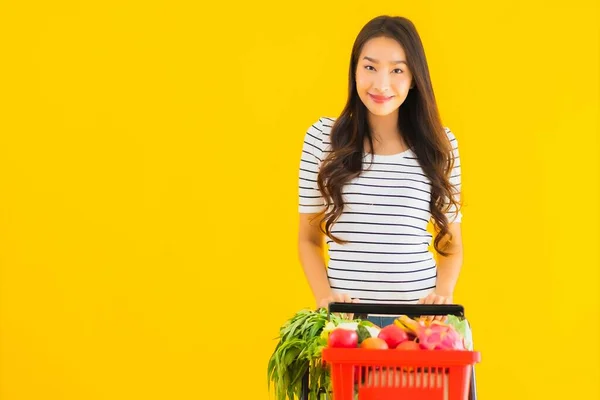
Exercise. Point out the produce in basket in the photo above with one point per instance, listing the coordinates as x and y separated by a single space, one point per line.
343 338
408 345
393 335
374 343
300 343
432 335
429 335
304 336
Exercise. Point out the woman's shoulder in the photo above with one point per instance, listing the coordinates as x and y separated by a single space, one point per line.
451 138
325 124
449 133
329 121
319 131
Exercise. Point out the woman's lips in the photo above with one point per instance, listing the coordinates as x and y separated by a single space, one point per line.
380 99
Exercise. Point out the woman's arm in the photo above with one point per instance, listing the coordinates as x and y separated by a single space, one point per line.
449 266
448 270
310 252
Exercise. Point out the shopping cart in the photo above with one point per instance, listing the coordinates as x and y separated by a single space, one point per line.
400 374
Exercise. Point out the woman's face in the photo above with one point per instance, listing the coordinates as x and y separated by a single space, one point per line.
382 76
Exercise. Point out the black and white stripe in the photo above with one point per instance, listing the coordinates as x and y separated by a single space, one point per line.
385 220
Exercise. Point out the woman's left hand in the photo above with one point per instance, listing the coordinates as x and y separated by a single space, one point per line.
435 298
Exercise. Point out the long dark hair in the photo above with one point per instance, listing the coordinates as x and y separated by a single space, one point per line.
418 120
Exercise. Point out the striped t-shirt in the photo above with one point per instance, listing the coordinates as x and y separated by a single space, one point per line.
385 219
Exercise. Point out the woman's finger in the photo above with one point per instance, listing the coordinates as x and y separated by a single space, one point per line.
425 300
334 298
354 301
342 298
441 300
434 299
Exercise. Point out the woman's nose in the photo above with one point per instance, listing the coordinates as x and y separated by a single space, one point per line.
382 83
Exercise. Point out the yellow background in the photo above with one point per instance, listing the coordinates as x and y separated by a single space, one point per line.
148 188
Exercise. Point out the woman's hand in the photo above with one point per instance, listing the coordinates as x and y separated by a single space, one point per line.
435 298
337 298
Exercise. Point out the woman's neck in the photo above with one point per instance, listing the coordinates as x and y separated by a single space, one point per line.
384 128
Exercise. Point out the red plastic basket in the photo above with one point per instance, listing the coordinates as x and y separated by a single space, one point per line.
400 374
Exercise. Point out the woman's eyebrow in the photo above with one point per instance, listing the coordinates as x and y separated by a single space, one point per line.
377 62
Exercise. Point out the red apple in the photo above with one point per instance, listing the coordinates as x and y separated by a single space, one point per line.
342 338
393 335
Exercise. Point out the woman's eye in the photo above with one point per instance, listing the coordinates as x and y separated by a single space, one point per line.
370 68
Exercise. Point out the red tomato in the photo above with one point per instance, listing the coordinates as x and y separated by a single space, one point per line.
343 338
393 335
374 343
408 345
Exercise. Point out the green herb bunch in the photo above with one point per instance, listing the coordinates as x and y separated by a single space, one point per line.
298 351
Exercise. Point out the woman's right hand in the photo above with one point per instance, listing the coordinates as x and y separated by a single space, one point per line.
337 298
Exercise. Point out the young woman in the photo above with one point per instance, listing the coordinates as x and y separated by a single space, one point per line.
372 179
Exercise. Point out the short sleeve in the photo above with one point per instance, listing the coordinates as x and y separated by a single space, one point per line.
455 179
310 199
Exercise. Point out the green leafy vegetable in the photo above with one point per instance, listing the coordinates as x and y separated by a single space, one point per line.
363 333
462 326
298 351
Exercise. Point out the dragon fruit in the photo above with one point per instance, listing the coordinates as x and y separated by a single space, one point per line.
432 335
439 336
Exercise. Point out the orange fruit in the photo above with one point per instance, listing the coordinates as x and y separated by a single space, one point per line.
408 345
374 343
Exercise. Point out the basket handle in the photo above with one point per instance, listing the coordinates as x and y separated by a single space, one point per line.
410 310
